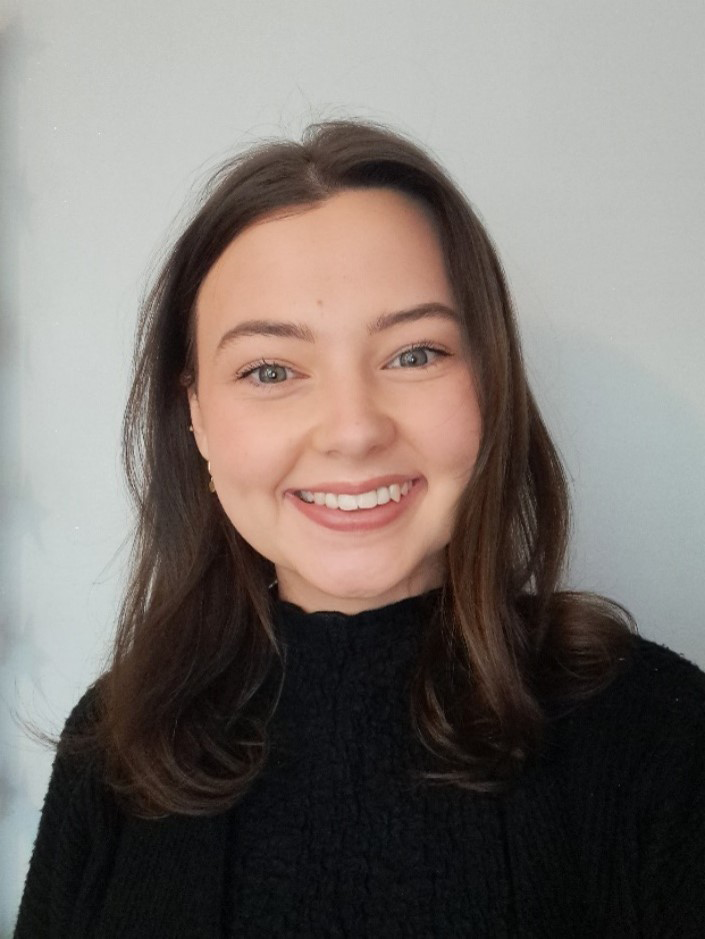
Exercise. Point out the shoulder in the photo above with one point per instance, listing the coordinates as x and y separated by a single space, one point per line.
86 711
651 717
661 666
663 694
77 829
77 735
657 760
76 788
627 768
637 748
658 686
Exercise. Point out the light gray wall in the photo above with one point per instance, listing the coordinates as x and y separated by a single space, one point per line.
576 128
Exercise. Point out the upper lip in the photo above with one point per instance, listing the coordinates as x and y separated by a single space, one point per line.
356 489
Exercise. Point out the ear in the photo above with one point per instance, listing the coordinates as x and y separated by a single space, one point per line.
199 433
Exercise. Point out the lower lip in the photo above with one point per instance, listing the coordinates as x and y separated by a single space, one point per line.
359 519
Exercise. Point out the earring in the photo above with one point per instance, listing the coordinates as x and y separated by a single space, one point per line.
211 484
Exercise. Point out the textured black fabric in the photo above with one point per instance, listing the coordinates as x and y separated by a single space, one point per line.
603 836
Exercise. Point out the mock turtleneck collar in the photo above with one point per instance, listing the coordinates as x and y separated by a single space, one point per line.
397 619
325 643
347 674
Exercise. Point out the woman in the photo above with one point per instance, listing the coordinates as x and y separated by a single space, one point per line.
347 695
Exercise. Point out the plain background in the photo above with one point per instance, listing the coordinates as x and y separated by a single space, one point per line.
577 130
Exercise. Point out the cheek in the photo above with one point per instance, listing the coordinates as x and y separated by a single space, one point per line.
453 428
247 453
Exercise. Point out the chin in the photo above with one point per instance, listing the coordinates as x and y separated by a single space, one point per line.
353 587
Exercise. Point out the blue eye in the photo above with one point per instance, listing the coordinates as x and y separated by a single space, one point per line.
271 374
414 357
265 373
418 356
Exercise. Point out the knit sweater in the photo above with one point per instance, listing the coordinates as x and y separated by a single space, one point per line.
602 836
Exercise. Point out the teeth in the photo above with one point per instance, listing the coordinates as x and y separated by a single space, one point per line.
347 502
383 495
367 500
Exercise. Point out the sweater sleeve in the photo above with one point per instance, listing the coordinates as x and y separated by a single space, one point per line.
71 837
672 888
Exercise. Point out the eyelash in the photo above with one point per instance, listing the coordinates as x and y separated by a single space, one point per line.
249 370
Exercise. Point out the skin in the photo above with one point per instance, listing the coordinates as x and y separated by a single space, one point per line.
350 407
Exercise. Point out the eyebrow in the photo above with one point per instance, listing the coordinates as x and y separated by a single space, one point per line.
290 330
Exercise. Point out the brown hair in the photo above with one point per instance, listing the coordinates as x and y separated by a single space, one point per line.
196 669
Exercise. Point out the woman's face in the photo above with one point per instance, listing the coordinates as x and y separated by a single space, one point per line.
335 398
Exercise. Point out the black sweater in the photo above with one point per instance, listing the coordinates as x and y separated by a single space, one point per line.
603 836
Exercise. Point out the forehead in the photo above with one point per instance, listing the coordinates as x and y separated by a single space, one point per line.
373 247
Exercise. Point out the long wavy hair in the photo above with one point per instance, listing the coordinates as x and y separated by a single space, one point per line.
196 671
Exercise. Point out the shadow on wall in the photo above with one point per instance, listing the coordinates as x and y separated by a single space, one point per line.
10 474
635 450
16 814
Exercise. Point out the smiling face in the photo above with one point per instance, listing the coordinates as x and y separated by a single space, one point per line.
335 399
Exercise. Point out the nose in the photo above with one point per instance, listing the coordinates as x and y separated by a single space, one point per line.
352 419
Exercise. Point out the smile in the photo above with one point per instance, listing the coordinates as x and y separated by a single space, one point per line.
349 502
373 507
